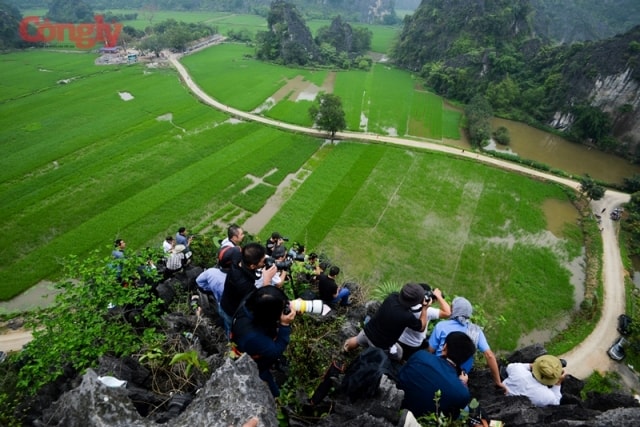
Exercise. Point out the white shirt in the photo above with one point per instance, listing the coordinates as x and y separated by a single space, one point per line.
166 246
414 338
521 382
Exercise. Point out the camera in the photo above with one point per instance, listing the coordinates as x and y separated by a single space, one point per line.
280 265
429 296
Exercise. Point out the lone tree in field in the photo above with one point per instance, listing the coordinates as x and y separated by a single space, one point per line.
328 114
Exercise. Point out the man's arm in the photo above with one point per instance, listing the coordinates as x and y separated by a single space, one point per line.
445 308
493 367
423 316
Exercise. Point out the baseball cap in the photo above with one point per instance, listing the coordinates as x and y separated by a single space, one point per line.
411 294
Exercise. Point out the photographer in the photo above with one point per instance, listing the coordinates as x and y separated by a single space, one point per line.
412 340
274 241
261 328
241 280
278 259
393 316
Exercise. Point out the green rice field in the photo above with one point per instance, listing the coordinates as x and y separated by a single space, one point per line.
127 151
384 100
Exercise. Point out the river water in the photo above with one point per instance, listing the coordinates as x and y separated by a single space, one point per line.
534 144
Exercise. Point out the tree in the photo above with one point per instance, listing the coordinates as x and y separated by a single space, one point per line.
478 113
70 11
328 113
501 136
632 184
10 18
589 187
591 123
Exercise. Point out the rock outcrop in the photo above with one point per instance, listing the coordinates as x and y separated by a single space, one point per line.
231 393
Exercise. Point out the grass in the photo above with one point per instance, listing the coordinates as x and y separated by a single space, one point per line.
82 167
469 231
384 100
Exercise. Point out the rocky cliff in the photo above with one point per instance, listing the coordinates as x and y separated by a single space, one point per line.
233 393
605 75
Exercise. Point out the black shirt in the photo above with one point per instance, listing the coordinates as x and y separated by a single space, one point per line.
386 326
239 283
327 288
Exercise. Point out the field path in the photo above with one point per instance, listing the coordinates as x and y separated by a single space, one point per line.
589 355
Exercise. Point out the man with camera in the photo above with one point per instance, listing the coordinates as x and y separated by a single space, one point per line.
241 280
282 265
261 328
412 340
274 241
388 323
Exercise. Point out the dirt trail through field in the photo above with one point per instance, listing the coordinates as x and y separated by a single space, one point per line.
589 355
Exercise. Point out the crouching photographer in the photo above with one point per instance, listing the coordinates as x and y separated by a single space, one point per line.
261 328
411 340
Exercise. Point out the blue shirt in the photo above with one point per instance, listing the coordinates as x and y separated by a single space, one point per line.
422 376
212 280
445 327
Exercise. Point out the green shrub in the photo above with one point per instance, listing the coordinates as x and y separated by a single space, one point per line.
105 307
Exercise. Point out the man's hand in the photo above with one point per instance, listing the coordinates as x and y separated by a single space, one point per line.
464 378
286 319
267 274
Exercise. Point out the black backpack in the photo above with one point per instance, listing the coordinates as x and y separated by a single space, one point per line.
362 377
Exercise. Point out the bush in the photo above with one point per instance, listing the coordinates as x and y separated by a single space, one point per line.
105 306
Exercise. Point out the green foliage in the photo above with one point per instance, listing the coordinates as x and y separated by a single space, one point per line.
328 113
99 311
343 39
478 113
205 246
632 223
380 292
313 347
591 123
70 11
632 184
501 136
10 18
191 360
610 382
590 188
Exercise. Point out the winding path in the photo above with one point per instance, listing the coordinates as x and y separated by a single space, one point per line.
584 358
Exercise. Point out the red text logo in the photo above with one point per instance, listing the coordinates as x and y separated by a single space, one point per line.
84 36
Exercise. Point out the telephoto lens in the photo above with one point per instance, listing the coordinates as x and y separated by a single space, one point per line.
315 306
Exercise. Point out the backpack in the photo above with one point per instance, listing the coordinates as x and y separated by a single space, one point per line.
362 377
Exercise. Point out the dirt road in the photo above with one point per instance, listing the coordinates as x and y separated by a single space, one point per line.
591 353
